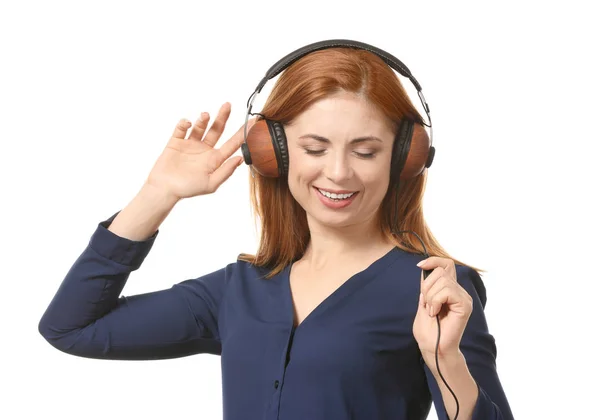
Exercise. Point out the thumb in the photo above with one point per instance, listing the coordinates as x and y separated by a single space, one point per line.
225 171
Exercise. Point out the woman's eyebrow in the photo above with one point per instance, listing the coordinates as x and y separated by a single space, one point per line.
353 141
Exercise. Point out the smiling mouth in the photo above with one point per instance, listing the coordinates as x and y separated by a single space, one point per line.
336 197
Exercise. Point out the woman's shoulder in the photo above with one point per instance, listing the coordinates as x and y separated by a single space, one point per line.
244 270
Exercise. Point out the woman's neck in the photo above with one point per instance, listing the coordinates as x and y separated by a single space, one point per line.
329 247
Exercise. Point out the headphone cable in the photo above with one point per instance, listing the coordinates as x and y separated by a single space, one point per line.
425 274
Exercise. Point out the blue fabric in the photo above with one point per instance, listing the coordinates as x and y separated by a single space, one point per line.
353 357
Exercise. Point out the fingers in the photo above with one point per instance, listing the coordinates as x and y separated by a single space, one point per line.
218 125
216 129
438 290
435 302
435 290
223 172
235 142
437 294
432 262
431 280
442 277
455 297
226 169
181 129
211 137
199 127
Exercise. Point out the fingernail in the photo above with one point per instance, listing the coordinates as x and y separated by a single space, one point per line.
420 263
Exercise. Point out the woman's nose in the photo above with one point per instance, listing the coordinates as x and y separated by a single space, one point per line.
338 169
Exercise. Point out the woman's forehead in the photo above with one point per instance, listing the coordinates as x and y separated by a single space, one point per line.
348 115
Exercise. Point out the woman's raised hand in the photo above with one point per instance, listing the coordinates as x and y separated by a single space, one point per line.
192 166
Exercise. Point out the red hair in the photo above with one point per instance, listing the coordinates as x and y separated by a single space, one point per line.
284 231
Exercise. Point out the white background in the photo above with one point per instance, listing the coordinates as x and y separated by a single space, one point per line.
91 91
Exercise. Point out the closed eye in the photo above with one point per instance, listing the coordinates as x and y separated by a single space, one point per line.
319 152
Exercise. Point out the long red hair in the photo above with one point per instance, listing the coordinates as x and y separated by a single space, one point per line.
284 229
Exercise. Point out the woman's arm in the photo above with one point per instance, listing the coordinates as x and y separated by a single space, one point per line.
472 373
456 373
142 217
88 318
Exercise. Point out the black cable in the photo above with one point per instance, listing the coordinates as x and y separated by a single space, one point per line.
425 274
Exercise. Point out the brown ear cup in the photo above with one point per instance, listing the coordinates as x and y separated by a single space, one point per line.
266 150
412 151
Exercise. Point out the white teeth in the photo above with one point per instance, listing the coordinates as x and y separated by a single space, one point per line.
336 196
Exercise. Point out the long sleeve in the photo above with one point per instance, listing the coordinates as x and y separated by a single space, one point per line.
479 349
88 318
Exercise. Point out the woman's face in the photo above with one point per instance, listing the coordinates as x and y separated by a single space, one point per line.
340 144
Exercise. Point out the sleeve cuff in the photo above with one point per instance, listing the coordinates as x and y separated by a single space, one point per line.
485 409
118 249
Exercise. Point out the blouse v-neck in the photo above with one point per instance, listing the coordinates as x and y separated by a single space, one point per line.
348 287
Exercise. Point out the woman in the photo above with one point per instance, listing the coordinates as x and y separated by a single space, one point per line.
332 318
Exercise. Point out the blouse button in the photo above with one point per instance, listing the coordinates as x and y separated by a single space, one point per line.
276 384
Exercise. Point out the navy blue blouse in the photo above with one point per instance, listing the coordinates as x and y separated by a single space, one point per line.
353 357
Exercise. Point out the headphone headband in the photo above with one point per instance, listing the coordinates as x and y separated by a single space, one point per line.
286 61
294 56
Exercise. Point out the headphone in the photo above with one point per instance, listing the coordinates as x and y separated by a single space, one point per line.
265 146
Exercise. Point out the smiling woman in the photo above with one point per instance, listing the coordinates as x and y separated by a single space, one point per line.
342 110
352 155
